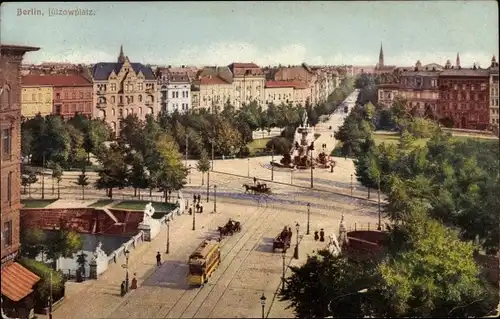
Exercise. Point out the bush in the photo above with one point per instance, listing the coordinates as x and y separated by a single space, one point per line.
281 145
42 288
244 152
288 132
420 127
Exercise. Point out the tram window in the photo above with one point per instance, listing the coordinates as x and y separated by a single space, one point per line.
196 270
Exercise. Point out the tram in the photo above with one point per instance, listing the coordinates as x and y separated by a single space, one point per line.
203 262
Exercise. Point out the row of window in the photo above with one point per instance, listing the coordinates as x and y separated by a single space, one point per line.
464 85
494 102
128 111
285 96
73 108
462 96
129 99
175 94
461 106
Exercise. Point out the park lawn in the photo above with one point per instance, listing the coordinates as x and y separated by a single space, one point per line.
257 145
139 205
101 203
37 203
394 138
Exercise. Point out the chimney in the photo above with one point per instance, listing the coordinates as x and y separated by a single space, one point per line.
183 66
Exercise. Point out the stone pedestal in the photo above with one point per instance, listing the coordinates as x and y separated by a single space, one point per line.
93 269
151 228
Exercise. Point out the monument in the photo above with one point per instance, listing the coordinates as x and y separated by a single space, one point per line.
180 203
99 262
149 225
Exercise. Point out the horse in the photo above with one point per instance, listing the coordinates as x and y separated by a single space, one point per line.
247 187
237 227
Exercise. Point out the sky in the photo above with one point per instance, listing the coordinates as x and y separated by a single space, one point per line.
266 33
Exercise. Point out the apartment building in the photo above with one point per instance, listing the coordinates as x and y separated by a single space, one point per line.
248 83
175 91
215 88
67 95
16 297
122 88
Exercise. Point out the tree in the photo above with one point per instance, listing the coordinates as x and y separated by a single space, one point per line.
280 145
98 131
131 132
62 243
57 173
28 178
114 169
203 165
81 260
328 280
138 178
228 138
26 141
32 241
82 180
76 155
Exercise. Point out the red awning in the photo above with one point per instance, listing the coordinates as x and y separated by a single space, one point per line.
17 282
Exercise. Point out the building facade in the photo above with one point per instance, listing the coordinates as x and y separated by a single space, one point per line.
464 97
215 92
36 98
175 92
420 90
123 88
387 92
494 116
69 94
248 83
16 297
280 92
300 74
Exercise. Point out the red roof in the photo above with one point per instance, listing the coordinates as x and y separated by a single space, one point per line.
244 65
212 80
17 282
55 80
286 84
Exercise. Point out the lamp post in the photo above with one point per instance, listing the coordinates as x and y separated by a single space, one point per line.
215 198
208 185
126 253
296 250
283 255
263 303
248 165
351 185
308 216
272 163
212 143
379 217
291 175
167 250
312 168
187 141
194 218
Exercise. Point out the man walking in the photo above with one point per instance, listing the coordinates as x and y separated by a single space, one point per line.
158 259
199 198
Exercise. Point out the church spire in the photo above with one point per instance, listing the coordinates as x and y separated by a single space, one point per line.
458 61
381 56
121 57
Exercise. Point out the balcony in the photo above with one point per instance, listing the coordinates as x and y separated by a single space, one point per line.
101 104
149 103
101 91
120 104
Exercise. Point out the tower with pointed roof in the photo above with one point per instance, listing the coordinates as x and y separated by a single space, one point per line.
457 64
121 57
381 56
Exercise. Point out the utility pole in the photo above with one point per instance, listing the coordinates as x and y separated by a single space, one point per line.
43 176
312 168
208 185
50 296
308 216
187 141
379 213
212 142
272 163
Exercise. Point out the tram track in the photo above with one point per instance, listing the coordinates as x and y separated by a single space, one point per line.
186 294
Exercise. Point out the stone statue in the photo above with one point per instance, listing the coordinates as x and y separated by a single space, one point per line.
148 212
99 252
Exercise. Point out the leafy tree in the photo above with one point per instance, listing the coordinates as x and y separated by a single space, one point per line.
77 155
32 241
328 280
62 243
57 173
203 165
26 141
82 180
131 132
228 138
280 145
138 177
114 169
98 131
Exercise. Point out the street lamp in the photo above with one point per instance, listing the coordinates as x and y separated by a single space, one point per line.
351 185
291 175
215 198
212 142
248 164
167 221
379 217
263 303
126 253
194 218
283 255
296 250
308 214
312 168
43 176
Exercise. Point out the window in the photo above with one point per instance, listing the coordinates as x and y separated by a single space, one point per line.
113 99
58 96
81 95
58 109
33 97
7 234
113 87
126 87
73 95
6 141
140 98
9 188
139 86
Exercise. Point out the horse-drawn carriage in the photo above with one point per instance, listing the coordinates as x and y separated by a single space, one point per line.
259 188
230 228
282 241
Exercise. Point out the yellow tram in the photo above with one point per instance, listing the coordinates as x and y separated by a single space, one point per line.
203 261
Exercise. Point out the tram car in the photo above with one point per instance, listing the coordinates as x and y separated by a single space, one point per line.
203 262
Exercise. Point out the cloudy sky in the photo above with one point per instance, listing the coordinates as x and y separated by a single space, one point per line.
267 33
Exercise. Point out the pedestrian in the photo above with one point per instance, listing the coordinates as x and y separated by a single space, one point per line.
194 198
322 235
201 208
122 289
199 198
190 211
254 180
316 236
158 259
134 282
198 207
